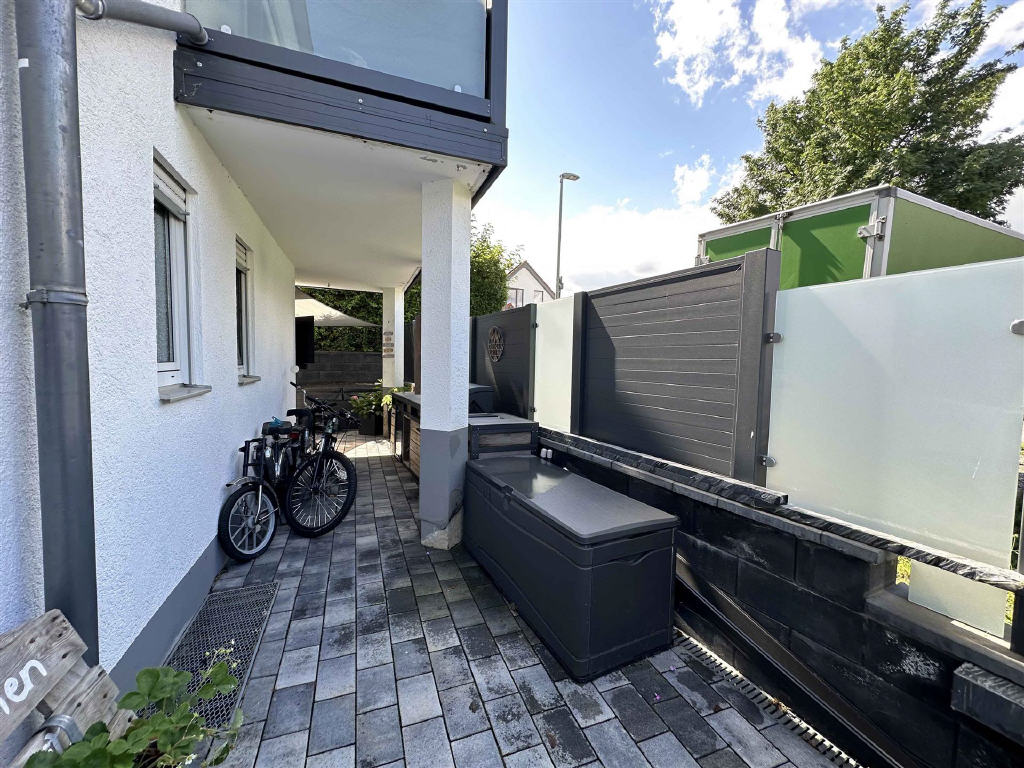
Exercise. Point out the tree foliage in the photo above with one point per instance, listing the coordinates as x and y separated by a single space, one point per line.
898 106
489 263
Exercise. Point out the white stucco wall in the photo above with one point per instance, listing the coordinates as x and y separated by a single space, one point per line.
524 279
159 469
552 396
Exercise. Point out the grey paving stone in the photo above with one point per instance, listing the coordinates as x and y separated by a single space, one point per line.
636 716
378 737
555 670
492 677
312 581
336 677
649 682
614 747
440 633
411 658
256 698
425 583
477 751
405 626
284 601
247 745
345 757
800 753
432 607
401 600
536 688
289 711
426 745
665 751
375 688
534 757
513 727
371 618
500 620
340 586
334 724
338 641
585 702
465 613
297 667
450 667
373 650
699 694
693 732
666 661
308 605
754 715
748 742
477 642
446 571
723 758
516 651
282 750
611 680
417 699
486 595
563 738
267 659
369 593
277 626
455 590
340 611
463 710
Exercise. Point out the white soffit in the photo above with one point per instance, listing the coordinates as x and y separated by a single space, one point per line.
346 211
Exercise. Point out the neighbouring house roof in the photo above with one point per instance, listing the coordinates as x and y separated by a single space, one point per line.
324 316
526 265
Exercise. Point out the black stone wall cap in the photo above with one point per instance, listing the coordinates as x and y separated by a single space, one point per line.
993 701
762 505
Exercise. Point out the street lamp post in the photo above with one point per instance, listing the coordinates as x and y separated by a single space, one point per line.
558 254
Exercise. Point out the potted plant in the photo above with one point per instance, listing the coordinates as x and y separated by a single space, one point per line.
368 406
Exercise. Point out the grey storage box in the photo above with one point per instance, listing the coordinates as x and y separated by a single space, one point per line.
498 432
588 568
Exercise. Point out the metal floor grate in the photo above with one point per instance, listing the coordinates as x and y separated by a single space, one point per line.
767 703
233 619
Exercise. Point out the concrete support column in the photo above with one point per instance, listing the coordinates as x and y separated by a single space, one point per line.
393 339
445 361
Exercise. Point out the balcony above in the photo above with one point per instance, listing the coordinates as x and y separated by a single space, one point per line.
428 75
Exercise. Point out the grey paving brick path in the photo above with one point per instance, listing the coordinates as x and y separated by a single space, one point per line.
379 652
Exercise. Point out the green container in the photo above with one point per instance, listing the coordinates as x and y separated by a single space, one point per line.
879 231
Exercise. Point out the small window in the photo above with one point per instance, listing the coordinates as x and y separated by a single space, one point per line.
171 275
538 297
516 297
242 291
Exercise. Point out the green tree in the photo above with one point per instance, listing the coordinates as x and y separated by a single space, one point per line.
898 106
489 263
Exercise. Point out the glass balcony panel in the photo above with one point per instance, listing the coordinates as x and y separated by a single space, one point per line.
437 42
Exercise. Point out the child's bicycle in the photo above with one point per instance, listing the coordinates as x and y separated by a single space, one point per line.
296 462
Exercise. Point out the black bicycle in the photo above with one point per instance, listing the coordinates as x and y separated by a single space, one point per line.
297 462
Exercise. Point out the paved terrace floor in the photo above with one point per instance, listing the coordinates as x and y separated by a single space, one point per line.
379 652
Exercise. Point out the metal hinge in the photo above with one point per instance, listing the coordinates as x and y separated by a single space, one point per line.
875 229
773 338
766 461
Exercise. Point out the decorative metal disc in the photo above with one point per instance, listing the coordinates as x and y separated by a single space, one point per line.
495 343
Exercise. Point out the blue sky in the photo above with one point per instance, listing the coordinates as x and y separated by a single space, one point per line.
652 104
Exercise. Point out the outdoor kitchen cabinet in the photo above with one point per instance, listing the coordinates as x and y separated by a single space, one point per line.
588 568
880 231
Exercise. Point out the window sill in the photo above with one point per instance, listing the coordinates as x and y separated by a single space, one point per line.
244 379
172 393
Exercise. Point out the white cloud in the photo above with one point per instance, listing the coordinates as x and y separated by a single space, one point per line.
1014 213
1008 107
711 43
1006 31
608 244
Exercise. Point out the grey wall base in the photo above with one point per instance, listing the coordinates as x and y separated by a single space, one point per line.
443 457
154 642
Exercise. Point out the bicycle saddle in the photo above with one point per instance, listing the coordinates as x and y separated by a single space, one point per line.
280 429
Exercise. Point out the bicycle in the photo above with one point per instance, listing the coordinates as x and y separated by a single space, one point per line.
317 482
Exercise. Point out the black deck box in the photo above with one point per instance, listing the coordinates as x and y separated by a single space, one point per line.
588 568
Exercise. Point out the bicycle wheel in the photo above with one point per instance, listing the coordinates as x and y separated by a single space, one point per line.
320 494
243 531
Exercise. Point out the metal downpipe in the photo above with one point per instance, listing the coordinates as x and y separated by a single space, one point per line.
48 79
146 14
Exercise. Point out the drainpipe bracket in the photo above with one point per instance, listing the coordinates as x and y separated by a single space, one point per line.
50 296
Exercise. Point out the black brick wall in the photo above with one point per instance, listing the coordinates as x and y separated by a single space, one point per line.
342 368
811 598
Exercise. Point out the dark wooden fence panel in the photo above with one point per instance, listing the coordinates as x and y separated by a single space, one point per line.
511 374
678 366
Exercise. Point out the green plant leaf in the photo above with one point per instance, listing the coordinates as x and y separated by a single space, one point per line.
134 701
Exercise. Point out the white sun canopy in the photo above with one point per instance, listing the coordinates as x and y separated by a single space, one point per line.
323 316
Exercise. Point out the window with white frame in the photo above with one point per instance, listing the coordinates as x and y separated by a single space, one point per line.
516 297
171 273
243 287
538 296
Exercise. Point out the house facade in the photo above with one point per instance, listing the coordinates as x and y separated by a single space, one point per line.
327 144
526 286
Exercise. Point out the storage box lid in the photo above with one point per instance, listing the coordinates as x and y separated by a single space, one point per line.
586 512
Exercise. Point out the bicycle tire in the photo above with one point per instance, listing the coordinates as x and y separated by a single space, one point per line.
224 524
312 523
